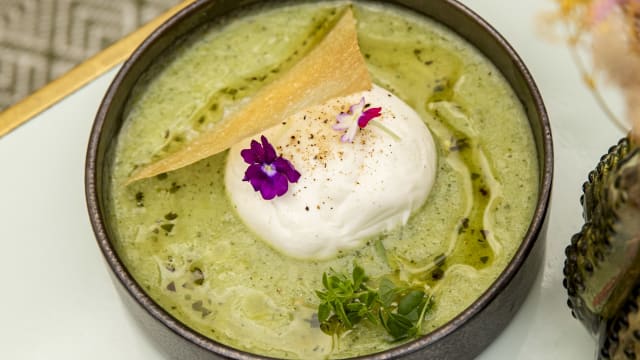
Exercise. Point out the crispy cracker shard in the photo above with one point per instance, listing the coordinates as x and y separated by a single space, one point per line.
334 68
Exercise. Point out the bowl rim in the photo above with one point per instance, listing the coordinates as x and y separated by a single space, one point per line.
182 330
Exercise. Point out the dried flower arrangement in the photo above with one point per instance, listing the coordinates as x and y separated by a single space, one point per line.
602 267
608 31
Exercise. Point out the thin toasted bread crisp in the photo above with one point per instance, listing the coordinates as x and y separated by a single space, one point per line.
334 68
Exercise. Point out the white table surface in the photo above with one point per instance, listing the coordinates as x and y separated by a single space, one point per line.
57 300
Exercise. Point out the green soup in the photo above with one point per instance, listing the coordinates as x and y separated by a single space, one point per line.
181 239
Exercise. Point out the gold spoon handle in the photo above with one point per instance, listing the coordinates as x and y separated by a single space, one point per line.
80 75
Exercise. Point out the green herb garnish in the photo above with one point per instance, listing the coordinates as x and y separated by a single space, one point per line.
345 301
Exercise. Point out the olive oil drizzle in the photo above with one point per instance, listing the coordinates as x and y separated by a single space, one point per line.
471 243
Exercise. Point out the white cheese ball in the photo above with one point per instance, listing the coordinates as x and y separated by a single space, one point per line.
347 191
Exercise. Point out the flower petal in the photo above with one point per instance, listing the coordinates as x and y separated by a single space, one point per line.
350 135
368 115
249 156
280 184
255 176
284 166
357 108
267 190
269 151
257 150
343 116
343 120
258 183
252 171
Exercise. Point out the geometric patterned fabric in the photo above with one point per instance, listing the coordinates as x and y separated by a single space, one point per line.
42 39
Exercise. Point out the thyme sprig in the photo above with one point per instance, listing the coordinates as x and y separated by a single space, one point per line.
346 301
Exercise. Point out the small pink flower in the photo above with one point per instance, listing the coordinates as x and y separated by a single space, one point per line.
355 118
368 115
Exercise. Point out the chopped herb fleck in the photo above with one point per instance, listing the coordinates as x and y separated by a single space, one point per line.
169 266
464 225
171 216
199 307
437 274
167 227
174 188
197 276
460 144
229 91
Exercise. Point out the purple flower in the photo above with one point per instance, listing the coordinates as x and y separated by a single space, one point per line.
355 118
268 173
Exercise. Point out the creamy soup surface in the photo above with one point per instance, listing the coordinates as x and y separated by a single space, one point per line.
183 241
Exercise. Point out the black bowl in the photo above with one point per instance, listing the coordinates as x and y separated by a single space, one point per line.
463 337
